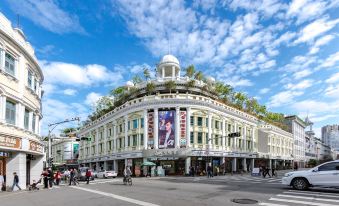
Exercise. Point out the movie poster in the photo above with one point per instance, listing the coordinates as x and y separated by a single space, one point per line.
182 129
166 129
150 131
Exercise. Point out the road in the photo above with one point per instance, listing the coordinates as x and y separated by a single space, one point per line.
168 191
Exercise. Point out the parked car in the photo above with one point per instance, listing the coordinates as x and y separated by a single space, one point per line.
324 175
107 174
82 173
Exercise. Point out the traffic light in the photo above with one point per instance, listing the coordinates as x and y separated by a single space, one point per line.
234 134
50 160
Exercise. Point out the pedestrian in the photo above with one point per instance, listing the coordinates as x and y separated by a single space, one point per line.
217 170
75 177
192 171
295 166
57 177
88 175
266 172
50 177
274 172
45 176
15 181
71 176
66 175
209 171
2 182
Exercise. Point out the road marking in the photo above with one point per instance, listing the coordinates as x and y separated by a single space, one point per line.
308 198
126 199
301 202
309 194
271 204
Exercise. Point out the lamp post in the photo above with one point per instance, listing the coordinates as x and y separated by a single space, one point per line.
51 127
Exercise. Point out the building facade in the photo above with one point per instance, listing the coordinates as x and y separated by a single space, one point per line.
330 136
297 128
65 152
21 150
177 130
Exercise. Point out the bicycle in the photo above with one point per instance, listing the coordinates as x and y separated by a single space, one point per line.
127 180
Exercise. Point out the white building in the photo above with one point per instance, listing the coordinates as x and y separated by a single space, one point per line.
330 136
179 127
297 128
20 107
65 151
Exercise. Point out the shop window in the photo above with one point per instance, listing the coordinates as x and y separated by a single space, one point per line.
128 125
216 139
206 138
191 137
192 120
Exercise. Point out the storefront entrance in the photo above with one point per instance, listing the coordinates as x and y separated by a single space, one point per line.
3 161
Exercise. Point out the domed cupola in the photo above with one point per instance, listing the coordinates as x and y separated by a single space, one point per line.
168 68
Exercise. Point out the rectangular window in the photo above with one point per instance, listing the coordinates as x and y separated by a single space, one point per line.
9 64
229 142
109 145
191 137
120 128
200 121
141 139
10 112
109 132
29 79
142 123
33 123
216 140
101 135
135 124
206 122
120 142
26 119
128 141
128 125
206 138
229 127
240 130
135 139
199 137
192 120
35 85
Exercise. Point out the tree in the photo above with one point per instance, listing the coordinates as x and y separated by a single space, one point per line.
136 80
68 130
170 85
147 74
240 98
190 70
150 87
104 103
118 91
199 76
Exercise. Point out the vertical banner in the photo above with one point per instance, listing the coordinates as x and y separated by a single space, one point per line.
166 129
150 131
182 128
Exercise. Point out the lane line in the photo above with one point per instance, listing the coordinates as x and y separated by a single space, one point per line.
270 204
126 199
301 202
308 198
309 194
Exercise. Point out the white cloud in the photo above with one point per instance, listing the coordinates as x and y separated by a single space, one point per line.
70 92
48 15
267 7
301 85
331 60
320 42
302 73
78 75
48 89
316 106
334 78
92 98
315 29
264 90
283 98
332 91
305 10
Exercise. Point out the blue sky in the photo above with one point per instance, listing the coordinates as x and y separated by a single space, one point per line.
284 53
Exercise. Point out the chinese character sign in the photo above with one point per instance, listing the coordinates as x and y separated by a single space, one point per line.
182 128
166 129
150 131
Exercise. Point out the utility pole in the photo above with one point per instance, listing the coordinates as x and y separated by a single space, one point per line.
51 127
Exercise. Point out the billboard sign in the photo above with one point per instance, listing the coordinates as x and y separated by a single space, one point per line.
166 129
150 131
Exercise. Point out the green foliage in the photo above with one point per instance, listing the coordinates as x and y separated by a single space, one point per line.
136 80
170 85
199 76
190 70
68 130
150 88
147 74
312 162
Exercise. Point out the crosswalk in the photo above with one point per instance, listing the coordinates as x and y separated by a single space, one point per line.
96 181
296 198
247 179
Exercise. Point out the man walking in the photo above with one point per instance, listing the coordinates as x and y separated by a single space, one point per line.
50 177
209 171
88 175
15 181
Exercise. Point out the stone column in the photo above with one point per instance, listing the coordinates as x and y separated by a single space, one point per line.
173 72
177 127
156 122
144 168
163 72
126 132
223 138
244 164
252 163
244 139
17 164
222 162
145 129
188 127
209 131
2 108
115 135
105 165
234 164
37 124
270 163
105 139
187 165
275 164
97 141
235 138
115 165
253 138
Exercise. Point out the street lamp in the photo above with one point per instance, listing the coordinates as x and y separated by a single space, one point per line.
51 127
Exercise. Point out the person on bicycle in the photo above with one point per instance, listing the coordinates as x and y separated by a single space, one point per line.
127 173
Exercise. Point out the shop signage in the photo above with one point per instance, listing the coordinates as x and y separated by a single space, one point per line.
11 142
150 131
4 154
167 152
182 128
36 147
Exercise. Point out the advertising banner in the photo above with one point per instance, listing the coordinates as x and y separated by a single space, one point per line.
182 128
68 151
12 142
166 129
75 150
150 131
